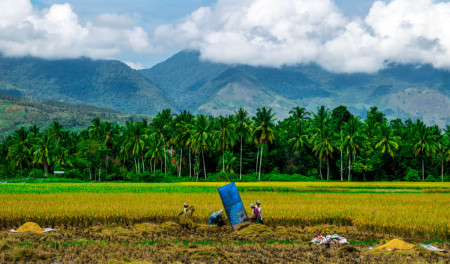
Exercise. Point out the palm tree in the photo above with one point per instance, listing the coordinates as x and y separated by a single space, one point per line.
95 128
19 149
188 127
200 137
386 140
160 125
422 143
299 138
447 144
375 115
41 151
242 128
224 136
56 130
340 115
134 142
319 121
323 146
154 150
88 149
440 145
263 132
61 157
299 114
353 140
229 161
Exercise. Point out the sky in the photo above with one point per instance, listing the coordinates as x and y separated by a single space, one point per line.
340 35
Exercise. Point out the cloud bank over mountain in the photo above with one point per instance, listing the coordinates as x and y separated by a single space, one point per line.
254 32
276 33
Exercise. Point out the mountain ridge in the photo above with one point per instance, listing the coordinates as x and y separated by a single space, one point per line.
396 89
185 82
104 83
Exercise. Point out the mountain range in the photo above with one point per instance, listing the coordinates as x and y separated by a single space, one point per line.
185 82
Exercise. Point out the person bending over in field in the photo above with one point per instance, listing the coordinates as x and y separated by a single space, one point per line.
216 218
256 216
258 205
185 209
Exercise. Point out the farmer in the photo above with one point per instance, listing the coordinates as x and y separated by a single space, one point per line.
185 209
258 205
256 216
216 217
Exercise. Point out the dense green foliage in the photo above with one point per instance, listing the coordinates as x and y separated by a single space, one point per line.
328 145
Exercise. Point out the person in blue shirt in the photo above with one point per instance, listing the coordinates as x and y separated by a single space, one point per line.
216 217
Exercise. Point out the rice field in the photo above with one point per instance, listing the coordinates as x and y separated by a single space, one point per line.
416 210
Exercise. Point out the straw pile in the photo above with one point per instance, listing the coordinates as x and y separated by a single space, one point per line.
396 244
30 227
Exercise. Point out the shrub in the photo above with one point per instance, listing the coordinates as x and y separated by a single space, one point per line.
37 173
412 176
430 178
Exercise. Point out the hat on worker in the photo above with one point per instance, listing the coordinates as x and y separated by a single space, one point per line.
185 204
258 202
252 205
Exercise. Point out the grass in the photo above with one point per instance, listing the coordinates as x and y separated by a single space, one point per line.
211 187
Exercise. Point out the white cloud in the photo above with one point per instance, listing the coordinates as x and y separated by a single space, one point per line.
56 32
132 65
289 32
254 32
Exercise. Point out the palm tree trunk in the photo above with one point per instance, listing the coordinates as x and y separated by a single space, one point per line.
257 160
46 168
139 165
204 167
90 174
260 162
342 171
143 164
328 170
442 166
342 163
190 168
165 159
320 168
100 173
135 165
423 168
223 160
181 160
240 166
349 167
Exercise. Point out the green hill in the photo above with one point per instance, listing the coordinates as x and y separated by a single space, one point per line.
399 90
16 112
102 83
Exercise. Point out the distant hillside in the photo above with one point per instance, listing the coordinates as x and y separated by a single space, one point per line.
400 90
103 83
184 82
16 112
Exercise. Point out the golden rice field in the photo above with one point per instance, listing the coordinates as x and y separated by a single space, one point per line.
418 210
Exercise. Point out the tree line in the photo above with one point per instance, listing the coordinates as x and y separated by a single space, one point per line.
326 144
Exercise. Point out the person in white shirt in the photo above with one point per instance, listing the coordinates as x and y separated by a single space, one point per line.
258 205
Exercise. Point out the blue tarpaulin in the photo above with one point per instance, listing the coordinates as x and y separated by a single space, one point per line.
232 204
